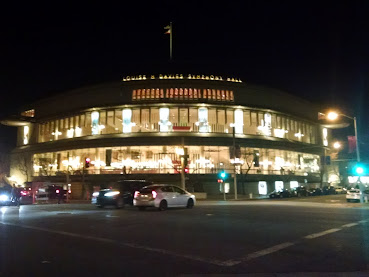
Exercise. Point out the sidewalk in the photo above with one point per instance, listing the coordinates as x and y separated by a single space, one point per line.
230 197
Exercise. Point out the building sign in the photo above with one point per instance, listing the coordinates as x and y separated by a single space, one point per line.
181 76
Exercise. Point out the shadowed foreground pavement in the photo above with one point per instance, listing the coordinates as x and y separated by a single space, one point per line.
215 237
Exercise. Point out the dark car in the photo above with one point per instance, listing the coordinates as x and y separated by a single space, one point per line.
284 193
5 196
329 190
300 192
315 192
119 194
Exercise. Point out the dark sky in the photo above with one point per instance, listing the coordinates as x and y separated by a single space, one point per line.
318 50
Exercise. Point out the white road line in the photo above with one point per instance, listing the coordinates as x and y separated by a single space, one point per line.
350 225
363 221
326 232
258 254
126 244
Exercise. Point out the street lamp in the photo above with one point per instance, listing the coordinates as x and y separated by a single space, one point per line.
336 145
334 115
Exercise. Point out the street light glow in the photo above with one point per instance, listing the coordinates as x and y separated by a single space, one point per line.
332 115
336 145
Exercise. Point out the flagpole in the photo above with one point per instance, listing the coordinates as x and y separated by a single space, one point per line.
171 43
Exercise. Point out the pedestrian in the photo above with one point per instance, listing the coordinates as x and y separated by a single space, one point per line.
15 195
124 170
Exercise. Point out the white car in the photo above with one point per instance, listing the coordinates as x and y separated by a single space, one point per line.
163 197
340 190
355 194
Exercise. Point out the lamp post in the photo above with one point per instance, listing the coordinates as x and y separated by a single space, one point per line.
234 160
333 116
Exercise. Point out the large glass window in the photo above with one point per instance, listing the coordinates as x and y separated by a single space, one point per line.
95 123
203 120
127 124
238 116
164 124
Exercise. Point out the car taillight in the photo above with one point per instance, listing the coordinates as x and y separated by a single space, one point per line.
136 194
23 193
57 191
154 194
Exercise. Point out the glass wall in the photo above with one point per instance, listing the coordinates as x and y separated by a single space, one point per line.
166 159
207 119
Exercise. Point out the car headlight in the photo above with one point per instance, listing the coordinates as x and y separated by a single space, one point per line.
111 193
4 197
95 194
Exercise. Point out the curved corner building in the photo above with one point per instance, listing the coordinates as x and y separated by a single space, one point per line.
138 128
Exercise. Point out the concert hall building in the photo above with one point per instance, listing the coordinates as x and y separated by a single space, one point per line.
137 128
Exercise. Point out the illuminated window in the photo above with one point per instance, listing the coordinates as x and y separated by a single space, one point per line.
161 93
209 93
95 123
204 94
138 94
152 93
227 95
29 113
164 122
148 93
294 184
279 185
25 134
231 96
203 120
214 94
127 117
134 95
167 93
218 95
190 93
143 94
223 95
176 92
171 93
157 94
262 187
238 120
186 93
325 136
181 92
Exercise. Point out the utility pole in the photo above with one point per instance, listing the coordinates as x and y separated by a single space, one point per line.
234 162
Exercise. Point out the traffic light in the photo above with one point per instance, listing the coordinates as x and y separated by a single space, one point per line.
359 170
186 170
256 158
87 162
222 175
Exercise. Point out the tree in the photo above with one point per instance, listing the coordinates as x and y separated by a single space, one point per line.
23 164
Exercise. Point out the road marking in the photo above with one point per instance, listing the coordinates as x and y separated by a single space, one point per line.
350 225
363 221
258 254
126 244
326 232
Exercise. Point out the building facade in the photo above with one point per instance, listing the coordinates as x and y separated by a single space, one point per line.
139 128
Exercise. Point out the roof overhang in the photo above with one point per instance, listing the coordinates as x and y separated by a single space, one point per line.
17 121
336 126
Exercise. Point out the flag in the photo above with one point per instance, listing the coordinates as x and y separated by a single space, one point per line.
321 116
168 28
351 143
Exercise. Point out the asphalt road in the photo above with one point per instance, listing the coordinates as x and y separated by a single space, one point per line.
213 238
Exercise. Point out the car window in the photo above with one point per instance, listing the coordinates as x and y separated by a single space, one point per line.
166 189
179 190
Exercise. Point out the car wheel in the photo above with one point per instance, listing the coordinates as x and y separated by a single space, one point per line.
163 205
120 203
190 203
142 208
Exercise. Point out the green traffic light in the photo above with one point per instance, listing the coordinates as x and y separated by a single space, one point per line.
223 174
359 170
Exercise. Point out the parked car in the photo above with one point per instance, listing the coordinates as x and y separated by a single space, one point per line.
354 195
119 194
329 190
163 197
300 192
284 193
315 192
340 190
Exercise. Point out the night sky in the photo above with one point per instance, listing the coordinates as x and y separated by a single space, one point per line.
316 50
